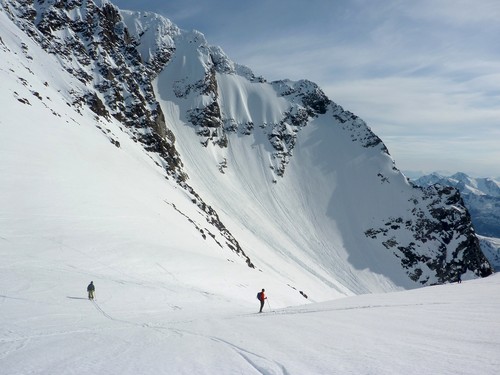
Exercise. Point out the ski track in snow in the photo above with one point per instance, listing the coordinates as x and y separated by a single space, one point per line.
261 364
315 311
255 360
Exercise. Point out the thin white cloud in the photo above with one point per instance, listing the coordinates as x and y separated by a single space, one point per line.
426 99
477 156
455 12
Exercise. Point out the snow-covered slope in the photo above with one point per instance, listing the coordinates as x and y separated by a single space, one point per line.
491 249
74 202
144 325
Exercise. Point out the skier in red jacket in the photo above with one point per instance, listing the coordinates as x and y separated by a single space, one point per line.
262 298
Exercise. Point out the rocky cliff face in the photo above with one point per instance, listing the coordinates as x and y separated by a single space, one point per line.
95 46
481 197
438 237
117 61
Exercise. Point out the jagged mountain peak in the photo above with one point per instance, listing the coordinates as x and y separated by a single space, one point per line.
154 35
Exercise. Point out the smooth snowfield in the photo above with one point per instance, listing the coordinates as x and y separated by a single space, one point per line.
139 327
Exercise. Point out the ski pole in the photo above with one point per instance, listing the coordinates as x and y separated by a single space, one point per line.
268 304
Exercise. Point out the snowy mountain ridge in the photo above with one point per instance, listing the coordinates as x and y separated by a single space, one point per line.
243 151
466 184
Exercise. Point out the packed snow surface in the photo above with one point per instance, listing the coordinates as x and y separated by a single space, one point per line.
136 326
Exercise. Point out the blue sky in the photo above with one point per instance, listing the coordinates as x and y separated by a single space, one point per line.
424 74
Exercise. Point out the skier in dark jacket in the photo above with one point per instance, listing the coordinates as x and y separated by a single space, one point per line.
262 298
91 290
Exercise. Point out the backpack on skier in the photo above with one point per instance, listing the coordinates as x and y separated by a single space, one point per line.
259 296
